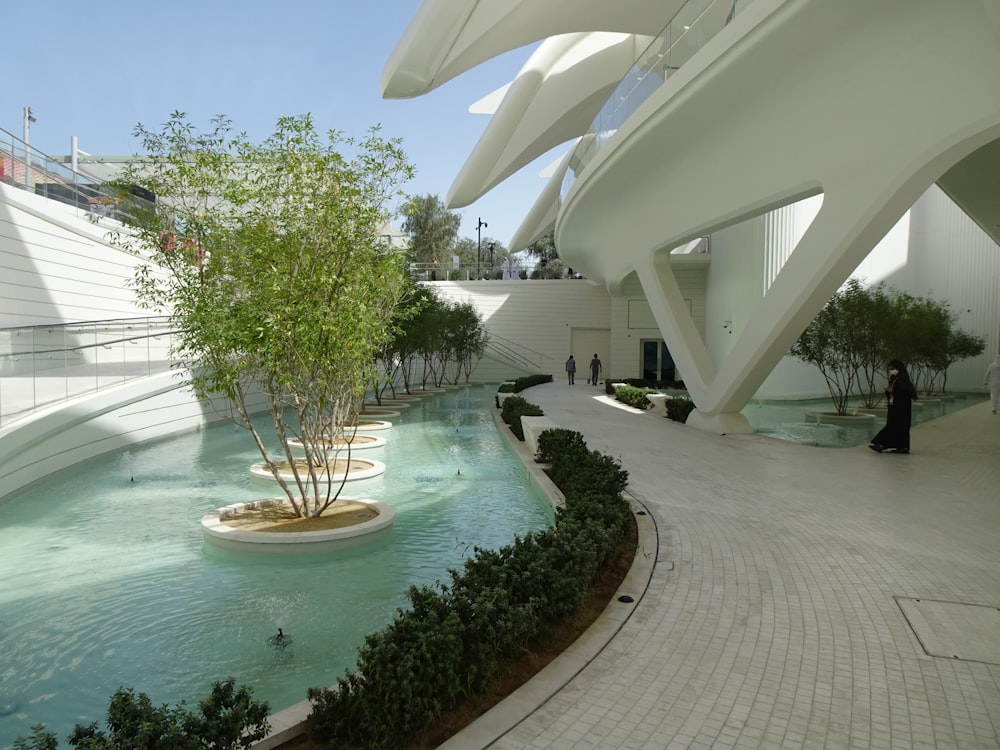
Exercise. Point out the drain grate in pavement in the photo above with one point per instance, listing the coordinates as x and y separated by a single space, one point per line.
954 630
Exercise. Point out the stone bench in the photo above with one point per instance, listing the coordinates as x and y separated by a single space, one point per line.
533 427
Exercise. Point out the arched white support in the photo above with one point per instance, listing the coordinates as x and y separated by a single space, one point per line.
734 133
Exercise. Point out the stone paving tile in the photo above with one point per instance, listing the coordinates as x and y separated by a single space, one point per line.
771 617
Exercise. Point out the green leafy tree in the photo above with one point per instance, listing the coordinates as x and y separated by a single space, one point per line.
832 342
544 247
959 345
229 718
432 228
466 250
268 258
861 328
873 329
394 361
466 339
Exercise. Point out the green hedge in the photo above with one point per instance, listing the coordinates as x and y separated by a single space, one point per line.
228 719
653 384
515 407
455 637
634 397
678 408
519 384
529 380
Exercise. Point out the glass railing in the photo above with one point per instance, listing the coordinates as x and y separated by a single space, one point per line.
528 269
43 365
690 29
26 167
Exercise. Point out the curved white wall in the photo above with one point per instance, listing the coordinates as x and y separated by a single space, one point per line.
62 436
58 267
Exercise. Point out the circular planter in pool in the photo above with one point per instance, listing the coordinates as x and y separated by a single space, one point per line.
375 413
806 433
846 420
356 442
364 521
372 425
360 468
371 407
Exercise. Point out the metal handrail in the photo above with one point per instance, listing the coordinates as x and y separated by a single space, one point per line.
37 172
44 365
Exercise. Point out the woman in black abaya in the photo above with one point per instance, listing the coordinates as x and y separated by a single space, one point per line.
901 394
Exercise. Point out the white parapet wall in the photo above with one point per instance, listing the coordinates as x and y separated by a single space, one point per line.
54 439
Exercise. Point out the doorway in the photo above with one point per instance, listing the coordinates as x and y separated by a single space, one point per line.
655 360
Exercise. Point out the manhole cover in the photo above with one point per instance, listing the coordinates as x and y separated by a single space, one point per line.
954 630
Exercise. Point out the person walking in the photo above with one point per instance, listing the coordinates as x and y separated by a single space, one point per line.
595 369
900 394
571 370
993 381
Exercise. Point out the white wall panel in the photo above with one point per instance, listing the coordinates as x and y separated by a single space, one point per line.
536 316
952 259
56 266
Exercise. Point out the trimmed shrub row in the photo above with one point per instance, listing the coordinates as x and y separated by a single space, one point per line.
453 640
513 409
634 397
653 384
529 380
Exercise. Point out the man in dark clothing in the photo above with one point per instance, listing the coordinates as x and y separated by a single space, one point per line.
595 369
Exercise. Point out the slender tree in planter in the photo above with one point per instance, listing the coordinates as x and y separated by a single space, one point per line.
394 359
269 260
835 342
466 339
960 345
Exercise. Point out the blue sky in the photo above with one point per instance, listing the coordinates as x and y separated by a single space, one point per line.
94 70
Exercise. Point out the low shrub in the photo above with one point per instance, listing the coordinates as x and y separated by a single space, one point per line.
634 397
506 388
454 638
652 383
513 409
576 470
678 408
527 381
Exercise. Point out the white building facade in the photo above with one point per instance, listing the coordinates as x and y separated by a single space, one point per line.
802 137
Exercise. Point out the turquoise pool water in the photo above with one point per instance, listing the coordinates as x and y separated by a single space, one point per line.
788 420
105 580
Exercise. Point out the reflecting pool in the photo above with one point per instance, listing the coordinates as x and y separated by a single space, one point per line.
795 420
105 580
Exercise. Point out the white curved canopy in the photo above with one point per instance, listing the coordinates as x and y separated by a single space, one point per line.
553 99
449 37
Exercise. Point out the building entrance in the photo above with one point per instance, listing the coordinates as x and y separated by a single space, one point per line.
656 362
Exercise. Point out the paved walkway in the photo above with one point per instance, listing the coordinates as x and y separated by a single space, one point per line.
800 597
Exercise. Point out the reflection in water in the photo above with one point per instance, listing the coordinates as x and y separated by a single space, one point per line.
797 422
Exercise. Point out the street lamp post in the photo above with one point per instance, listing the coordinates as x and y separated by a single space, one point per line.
479 245
28 119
